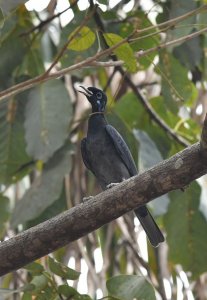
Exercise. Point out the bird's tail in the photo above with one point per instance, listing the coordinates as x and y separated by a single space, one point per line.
149 225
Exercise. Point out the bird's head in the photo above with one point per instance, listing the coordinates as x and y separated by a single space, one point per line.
96 97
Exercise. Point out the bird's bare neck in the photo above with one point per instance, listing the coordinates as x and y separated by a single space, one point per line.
96 122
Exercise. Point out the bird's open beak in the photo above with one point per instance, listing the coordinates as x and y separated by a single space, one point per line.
86 92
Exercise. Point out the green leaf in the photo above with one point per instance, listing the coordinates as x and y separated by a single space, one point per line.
179 8
71 57
202 20
28 287
1 18
83 40
123 52
132 113
190 53
149 155
52 210
158 104
130 110
12 43
5 211
11 135
189 129
27 296
105 2
67 291
45 190
144 41
186 231
82 297
11 112
130 287
41 287
10 4
34 268
32 64
176 87
40 283
48 113
62 270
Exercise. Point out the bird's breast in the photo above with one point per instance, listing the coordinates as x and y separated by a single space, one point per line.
105 161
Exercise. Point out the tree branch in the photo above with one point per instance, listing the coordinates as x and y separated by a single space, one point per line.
173 173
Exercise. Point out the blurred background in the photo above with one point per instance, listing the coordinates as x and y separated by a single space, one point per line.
157 101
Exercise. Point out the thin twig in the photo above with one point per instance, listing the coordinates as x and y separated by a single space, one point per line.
168 44
91 61
88 262
48 20
109 80
64 48
173 22
41 78
134 247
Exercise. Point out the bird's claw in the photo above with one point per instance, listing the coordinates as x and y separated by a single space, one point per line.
85 199
113 184
184 188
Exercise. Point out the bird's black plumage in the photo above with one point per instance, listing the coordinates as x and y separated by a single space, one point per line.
106 154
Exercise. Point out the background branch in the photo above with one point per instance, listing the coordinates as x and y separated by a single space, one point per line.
154 116
92 61
48 20
174 173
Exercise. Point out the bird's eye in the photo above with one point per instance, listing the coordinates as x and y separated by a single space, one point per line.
99 95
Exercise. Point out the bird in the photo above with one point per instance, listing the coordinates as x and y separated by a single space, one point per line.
107 156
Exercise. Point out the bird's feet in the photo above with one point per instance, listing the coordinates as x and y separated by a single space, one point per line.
113 184
85 199
184 188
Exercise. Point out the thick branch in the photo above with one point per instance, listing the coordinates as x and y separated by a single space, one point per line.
171 174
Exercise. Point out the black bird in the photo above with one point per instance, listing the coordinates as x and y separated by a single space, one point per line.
106 154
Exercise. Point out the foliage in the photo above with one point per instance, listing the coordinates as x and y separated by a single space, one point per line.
43 283
43 121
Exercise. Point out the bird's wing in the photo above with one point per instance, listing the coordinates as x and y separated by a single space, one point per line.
122 149
85 154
